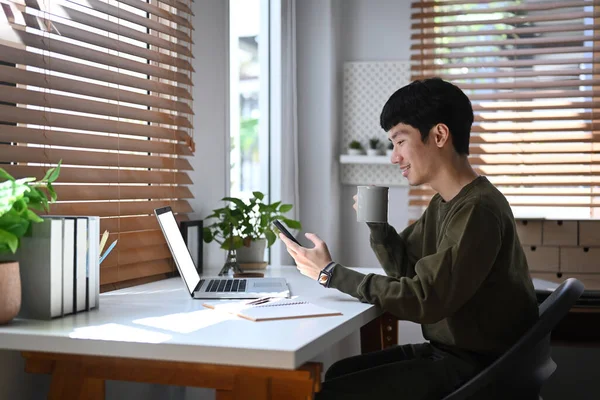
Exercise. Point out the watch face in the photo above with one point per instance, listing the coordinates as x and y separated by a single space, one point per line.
323 278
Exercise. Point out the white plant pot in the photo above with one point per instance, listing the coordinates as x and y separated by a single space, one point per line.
252 257
354 152
372 152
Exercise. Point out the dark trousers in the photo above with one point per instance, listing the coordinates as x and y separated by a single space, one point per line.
408 372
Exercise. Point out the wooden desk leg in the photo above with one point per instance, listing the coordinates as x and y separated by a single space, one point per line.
69 382
379 334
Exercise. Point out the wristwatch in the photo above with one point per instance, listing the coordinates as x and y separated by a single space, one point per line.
326 273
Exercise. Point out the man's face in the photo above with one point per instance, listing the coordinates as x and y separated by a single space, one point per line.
415 158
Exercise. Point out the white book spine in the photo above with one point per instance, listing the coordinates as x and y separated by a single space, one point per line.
68 264
93 260
56 267
81 267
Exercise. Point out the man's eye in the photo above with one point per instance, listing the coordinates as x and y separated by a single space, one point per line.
400 142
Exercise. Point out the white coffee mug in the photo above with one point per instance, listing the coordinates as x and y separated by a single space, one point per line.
372 204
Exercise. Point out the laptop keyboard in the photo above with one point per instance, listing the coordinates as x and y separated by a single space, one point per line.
226 285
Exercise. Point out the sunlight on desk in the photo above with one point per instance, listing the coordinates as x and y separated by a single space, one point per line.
132 293
185 322
118 332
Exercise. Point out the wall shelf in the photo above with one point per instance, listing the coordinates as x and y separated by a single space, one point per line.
363 159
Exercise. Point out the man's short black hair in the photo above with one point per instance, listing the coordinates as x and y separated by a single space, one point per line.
424 103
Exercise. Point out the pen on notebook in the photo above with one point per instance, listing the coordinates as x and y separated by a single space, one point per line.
112 246
103 241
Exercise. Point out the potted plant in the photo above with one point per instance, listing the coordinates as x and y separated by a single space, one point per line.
373 149
246 226
355 148
390 149
19 199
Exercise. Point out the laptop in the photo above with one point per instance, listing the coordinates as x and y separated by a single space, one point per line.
213 287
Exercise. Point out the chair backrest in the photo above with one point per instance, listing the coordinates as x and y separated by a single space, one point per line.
528 360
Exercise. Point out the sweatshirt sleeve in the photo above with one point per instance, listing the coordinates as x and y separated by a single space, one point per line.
396 253
443 281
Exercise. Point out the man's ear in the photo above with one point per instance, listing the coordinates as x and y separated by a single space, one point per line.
441 135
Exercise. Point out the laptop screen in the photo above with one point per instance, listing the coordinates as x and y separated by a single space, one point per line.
179 250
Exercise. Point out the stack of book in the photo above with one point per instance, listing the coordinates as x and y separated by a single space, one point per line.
59 263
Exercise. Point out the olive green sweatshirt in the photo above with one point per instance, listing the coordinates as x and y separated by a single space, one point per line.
459 271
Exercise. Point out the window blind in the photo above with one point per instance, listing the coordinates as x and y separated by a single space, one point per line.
530 70
104 86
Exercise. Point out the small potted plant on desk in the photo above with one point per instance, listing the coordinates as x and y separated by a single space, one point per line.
19 198
246 226
355 148
373 149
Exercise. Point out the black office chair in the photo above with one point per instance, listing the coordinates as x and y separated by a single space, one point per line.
522 370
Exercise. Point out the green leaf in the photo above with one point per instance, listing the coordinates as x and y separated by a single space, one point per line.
258 195
5 175
207 235
285 208
270 237
52 173
10 240
238 203
293 224
33 216
234 242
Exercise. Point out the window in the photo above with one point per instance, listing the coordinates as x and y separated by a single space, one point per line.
529 68
249 96
104 86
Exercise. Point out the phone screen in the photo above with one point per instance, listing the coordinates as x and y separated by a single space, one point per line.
282 229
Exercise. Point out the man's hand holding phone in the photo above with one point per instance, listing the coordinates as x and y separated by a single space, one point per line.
309 262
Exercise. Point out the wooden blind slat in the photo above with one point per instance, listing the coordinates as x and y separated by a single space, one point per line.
144 254
159 12
534 148
426 47
19 134
18 56
509 21
17 75
124 192
69 174
60 120
556 169
134 271
514 32
97 158
428 67
179 6
23 96
120 208
67 31
423 55
535 137
566 158
129 224
56 45
504 9
117 12
67 11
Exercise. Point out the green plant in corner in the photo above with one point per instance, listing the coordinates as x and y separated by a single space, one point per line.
19 199
239 222
355 144
373 143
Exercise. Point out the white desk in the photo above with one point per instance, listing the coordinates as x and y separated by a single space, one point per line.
160 321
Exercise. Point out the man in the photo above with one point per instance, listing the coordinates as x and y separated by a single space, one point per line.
459 270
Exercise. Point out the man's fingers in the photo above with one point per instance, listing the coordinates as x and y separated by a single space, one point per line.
289 244
314 238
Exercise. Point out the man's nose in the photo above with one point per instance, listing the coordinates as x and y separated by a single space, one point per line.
396 158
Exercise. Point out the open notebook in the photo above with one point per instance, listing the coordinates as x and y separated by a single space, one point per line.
275 309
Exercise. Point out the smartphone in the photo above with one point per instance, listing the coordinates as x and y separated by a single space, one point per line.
282 229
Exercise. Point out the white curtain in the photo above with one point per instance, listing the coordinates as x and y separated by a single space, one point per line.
284 115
